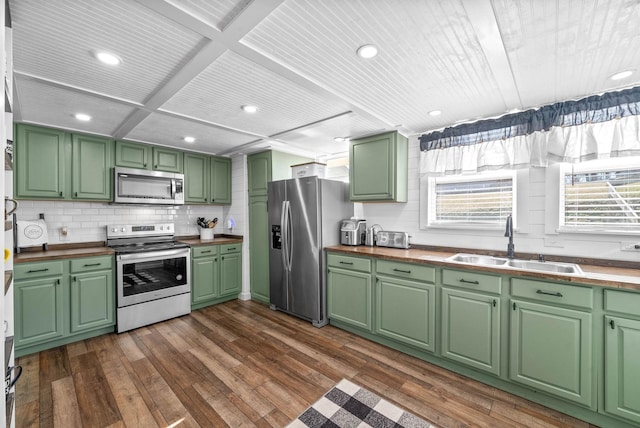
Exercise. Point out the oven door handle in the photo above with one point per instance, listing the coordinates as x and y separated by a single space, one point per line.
154 255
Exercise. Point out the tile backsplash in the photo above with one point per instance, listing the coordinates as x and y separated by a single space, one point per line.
87 221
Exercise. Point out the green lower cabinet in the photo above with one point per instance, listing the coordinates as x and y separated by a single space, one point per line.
471 329
405 311
216 273
205 279
622 368
259 249
349 295
39 310
551 350
92 301
230 274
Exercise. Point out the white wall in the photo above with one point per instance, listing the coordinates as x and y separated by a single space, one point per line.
536 221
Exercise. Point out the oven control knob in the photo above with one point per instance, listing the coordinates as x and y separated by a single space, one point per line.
114 229
123 229
161 227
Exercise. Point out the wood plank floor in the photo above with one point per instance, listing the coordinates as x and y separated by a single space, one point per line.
240 364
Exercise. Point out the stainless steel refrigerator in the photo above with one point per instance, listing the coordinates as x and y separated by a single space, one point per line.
304 217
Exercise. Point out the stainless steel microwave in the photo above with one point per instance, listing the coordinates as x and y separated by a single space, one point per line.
140 186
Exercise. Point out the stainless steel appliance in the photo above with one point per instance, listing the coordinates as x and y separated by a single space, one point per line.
304 217
392 239
353 232
153 273
139 186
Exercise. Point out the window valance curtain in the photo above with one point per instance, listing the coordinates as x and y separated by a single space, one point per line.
595 127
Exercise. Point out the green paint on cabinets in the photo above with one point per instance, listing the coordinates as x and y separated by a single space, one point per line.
39 310
92 300
196 178
133 155
220 180
91 168
216 272
349 297
259 248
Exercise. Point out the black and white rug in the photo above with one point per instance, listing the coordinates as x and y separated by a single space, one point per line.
349 405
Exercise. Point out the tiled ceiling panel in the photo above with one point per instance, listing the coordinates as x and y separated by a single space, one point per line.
320 137
573 54
53 106
217 13
168 130
429 57
55 40
217 94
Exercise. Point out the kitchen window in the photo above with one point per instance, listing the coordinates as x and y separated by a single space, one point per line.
601 196
479 201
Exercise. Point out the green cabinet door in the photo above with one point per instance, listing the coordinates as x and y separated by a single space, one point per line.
40 156
378 168
622 369
220 182
405 311
258 173
551 350
230 274
133 155
92 300
349 295
205 279
39 310
167 160
196 178
259 249
470 329
91 168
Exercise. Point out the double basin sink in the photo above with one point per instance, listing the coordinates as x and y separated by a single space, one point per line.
530 265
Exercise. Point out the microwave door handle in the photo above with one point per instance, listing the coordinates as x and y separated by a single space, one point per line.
173 188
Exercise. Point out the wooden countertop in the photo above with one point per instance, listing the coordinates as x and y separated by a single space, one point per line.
195 241
603 276
88 249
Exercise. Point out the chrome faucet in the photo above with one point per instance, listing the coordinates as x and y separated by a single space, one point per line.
509 232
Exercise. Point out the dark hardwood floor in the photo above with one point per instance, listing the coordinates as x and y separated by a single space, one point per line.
241 364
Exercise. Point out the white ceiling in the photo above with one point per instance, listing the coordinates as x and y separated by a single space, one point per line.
188 66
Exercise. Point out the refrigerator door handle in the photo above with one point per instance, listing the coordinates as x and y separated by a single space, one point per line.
285 234
289 237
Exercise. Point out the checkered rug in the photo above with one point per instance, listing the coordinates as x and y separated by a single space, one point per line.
349 405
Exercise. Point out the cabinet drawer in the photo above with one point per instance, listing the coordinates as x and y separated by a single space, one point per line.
472 280
570 295
625 302
407 270
37 269
206 251
86 264
348 262
230 248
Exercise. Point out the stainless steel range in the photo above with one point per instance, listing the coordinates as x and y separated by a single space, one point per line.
153 273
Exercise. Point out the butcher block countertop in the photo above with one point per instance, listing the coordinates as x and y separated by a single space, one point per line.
604 276
99 248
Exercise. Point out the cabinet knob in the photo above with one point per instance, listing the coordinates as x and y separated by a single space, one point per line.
612 324
60 194
76 194
144 165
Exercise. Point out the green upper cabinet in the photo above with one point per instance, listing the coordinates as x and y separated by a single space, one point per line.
551 350
220 180
91 168
267 166
259 172
40 162
196 178
378 168
167 160
133 155
207 179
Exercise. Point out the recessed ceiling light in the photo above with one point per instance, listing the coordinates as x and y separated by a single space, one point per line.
621 75
83 117
340 139
107 58
249 109
189 139
435 112
367 51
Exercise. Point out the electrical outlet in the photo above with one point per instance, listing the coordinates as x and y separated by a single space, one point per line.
64 234
553 242
630 246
